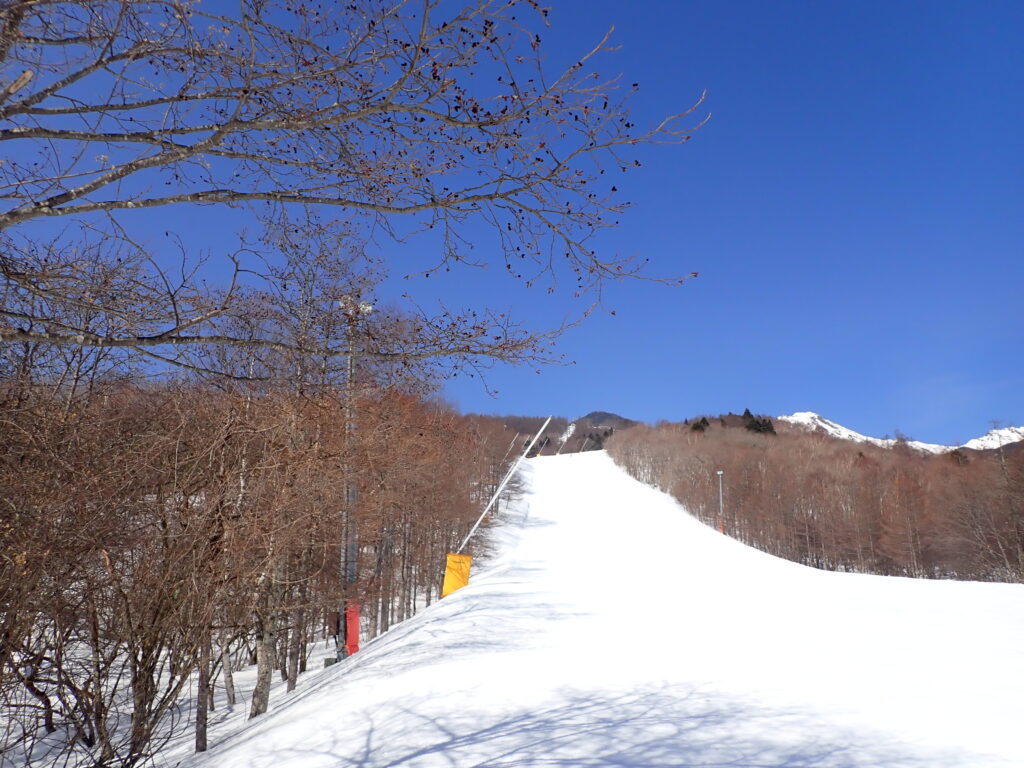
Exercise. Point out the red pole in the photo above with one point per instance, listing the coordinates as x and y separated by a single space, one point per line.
351 628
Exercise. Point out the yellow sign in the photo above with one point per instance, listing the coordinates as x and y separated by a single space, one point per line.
456 573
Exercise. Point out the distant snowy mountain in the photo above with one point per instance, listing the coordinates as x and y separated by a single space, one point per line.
996 438
817 423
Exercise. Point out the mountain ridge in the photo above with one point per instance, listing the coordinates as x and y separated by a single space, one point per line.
599 419
992 440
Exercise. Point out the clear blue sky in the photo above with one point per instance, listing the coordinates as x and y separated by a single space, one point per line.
855 209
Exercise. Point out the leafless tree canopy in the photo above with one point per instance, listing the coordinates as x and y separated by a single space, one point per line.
843 506
403 117
152 536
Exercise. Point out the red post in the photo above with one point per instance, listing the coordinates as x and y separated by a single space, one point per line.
351 628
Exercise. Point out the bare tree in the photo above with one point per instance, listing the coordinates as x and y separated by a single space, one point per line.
406 117
141 521
843 506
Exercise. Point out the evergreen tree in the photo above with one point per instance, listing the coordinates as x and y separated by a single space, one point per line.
762 425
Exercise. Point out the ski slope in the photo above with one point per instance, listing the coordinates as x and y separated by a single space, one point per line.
614 630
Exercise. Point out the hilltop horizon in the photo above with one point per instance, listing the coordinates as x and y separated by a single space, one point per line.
993 438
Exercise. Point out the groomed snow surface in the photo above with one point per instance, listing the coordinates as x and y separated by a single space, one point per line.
614 630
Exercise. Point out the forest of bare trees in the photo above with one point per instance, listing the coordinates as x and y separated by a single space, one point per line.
151 534
214 433
839 505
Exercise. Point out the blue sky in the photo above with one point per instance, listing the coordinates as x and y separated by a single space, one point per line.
855 209
854 206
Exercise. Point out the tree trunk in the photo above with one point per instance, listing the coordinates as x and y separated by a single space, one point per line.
294 645
385 609
229 678
203 693
143 686
99 709
265 646
283 645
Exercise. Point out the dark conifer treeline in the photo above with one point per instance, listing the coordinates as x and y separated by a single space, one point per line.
840 505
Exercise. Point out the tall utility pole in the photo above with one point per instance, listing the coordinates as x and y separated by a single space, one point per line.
721 505
348 631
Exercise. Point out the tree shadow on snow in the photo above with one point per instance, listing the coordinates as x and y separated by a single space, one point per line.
659 727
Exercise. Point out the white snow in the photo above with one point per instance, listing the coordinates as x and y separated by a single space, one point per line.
996 438
993 439
614 630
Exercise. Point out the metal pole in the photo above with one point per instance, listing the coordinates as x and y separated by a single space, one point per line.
350 551
721 505
501 487
351 492
511 446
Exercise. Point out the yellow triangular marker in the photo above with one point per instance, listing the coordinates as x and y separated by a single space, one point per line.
456 573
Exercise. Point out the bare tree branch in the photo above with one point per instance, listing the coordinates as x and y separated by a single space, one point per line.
421 111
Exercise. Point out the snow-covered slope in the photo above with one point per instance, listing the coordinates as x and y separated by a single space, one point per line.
614 630
813 421
996 438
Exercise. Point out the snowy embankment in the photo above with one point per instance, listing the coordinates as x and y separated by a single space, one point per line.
615 630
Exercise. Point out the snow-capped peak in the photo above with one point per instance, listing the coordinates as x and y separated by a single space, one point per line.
818 423
996 438
815 422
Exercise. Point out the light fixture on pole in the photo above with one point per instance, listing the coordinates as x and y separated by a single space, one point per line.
721 505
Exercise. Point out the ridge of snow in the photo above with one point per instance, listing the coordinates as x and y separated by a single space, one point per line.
995 438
